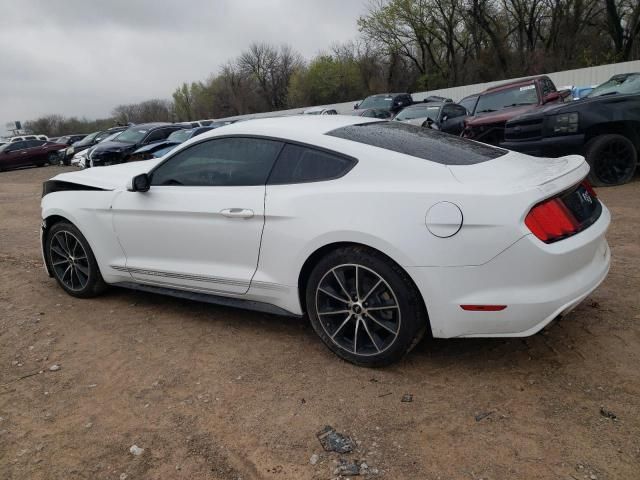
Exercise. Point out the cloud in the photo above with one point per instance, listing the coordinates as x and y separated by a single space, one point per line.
82 58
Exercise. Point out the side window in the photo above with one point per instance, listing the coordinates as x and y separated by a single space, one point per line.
547 87
469 103
298 164
157 135
222 162
20 145
35 143
453 111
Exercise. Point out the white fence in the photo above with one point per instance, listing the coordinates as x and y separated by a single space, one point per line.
579 77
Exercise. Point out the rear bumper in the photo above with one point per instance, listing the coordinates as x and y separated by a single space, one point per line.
548 147
536 281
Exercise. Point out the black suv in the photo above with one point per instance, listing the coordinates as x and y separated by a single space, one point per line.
393 102
604 127
120 149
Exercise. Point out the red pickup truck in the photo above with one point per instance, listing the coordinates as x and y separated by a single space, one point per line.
495 106
29 152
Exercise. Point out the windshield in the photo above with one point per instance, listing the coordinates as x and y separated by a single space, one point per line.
133 135
179 136
87 140
628 84
376 102
419 112
110 137
4 146
492 102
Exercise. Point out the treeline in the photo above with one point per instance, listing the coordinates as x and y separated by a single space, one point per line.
409 45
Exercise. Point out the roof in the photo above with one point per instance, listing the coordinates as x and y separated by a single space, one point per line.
299 127
387 94
515 83
150 125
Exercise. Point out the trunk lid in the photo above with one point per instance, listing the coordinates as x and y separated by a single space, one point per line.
516 172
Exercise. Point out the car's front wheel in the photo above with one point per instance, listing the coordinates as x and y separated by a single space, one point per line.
54 159
364 307
72 262
613 159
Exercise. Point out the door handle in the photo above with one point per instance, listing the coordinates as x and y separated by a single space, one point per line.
237 212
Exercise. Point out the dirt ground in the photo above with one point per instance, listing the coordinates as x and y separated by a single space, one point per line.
217 393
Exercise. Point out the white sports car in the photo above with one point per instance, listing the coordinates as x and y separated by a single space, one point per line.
378 231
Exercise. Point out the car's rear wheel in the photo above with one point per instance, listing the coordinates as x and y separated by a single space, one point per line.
364 307
72 262
613 159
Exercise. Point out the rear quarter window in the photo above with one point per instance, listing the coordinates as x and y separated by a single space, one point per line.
299 164
419 142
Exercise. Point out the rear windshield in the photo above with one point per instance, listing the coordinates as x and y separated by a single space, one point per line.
419 142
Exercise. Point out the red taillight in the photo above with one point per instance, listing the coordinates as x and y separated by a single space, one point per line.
483 308
551 220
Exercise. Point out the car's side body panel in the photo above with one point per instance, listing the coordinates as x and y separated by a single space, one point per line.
175 236
180 237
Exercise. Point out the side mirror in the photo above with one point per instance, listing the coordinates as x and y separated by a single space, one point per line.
356 105
140 183
551 97
444 118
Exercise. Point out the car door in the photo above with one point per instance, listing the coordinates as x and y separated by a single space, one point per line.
199 226
35 153
15 155
452 119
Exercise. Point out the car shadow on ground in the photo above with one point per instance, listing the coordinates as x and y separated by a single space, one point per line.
550 345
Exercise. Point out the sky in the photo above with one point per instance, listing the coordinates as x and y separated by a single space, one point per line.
82 58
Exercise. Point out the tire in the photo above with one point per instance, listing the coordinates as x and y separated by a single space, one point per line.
72 262
53 159
381 338
613 159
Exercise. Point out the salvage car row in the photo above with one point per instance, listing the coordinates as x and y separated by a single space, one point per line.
534 117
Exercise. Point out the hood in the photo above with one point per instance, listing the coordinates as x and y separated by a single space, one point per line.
113 146
500 116
115 177
156 146
414 121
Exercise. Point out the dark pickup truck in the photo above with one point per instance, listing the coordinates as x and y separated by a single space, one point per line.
604 128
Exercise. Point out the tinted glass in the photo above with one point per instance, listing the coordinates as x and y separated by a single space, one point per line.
453 111
419 142
298 164
220 163
158 135
35 143
17 145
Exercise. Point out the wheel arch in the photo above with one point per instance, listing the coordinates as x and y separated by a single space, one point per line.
629 129
47 223
313 259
